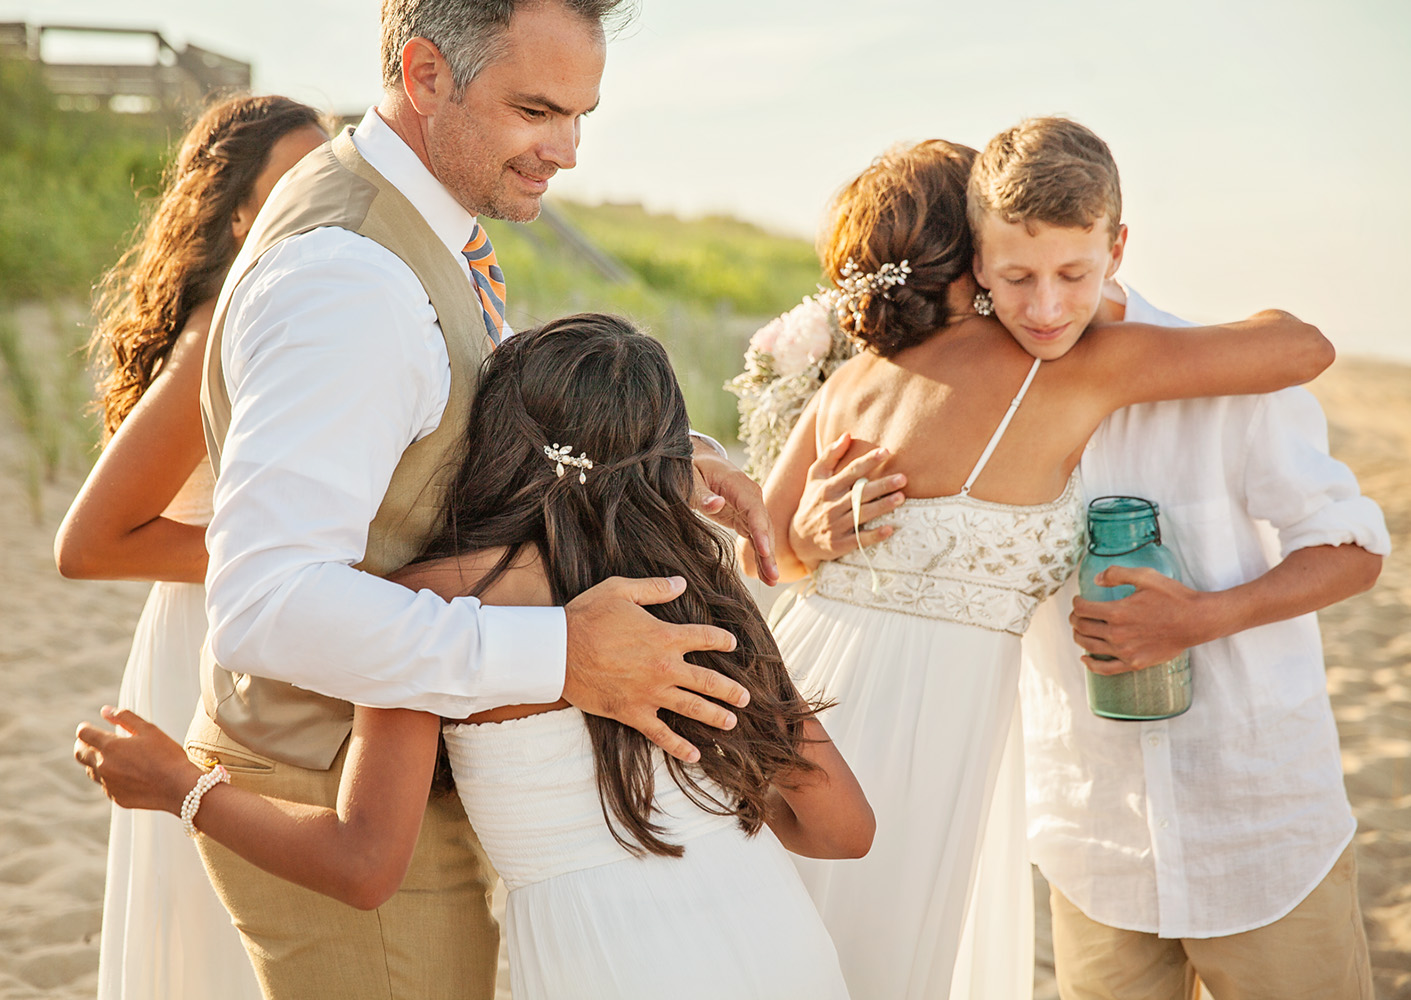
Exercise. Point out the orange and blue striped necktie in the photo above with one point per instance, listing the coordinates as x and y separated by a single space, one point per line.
489 281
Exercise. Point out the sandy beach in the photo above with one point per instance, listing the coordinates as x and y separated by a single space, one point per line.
63 645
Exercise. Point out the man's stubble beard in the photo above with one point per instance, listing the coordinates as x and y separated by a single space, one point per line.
526 208
497 204
477 185
499 207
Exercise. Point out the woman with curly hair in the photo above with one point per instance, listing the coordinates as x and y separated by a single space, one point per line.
141 515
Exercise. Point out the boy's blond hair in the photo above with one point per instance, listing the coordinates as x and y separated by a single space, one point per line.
1048 170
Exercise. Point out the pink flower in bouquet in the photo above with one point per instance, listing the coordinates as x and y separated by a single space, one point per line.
764 338
804 337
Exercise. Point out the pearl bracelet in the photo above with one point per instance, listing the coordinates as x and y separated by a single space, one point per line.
217 775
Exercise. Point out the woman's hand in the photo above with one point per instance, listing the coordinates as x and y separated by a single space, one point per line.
822 528
138 765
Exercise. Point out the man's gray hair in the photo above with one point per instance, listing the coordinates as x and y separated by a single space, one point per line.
469 33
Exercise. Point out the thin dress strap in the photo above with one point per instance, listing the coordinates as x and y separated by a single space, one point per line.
999 431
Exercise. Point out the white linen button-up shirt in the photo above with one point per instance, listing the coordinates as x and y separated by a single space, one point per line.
335 364
1223 819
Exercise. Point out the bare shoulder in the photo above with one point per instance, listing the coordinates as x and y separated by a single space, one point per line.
856 368
199 322
855 379
524 584
1103 353
189 351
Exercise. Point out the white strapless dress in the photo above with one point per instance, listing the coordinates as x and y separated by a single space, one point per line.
586 919
924 667
166 935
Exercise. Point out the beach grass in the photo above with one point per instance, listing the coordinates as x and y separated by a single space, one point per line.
70 184
704 333
715 259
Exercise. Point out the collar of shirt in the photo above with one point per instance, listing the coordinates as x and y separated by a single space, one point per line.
1139 310
386 153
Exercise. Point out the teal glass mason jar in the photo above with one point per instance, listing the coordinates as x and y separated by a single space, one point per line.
1124 531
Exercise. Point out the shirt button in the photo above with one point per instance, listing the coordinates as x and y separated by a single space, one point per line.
1154 740
1165 823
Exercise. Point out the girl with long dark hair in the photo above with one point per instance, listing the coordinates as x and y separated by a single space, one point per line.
630 874
141 515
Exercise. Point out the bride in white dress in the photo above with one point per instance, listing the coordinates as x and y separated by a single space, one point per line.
142 513
916 638
630 875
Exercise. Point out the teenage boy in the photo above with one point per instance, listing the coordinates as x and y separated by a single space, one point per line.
1215 846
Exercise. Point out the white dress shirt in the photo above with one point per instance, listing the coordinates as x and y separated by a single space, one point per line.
335 363
1223 819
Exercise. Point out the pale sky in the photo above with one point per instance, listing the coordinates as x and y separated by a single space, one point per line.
1264 146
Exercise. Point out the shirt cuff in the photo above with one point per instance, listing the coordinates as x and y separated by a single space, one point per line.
698 436
1353 521
523 655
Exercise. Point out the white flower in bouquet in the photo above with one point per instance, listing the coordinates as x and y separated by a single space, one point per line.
786 361
789 358
801 337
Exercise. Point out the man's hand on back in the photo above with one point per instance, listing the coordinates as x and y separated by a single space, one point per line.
626 664
729 497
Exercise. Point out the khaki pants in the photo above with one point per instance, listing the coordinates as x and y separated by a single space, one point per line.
1317 952
433 940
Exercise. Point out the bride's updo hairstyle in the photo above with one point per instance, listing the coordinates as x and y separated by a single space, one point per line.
909 205
595 383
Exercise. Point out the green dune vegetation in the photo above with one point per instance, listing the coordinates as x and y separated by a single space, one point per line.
699 286
74 187
69 187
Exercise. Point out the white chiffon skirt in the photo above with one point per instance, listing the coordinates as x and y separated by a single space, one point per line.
586 919
926 716
166 935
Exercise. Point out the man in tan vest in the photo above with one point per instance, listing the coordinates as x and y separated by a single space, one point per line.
340 370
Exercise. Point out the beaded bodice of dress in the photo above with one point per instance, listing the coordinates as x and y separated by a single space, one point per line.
959 559
192 503
964 560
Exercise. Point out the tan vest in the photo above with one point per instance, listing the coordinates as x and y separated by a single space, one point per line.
335 186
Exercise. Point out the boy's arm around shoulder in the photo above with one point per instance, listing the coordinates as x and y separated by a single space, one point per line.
1332 540
1121 365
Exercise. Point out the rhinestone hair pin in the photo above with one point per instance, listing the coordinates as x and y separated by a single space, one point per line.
562 456
854 283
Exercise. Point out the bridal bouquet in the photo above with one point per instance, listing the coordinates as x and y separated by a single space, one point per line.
787 360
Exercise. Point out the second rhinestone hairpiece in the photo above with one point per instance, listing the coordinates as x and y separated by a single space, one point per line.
853 283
